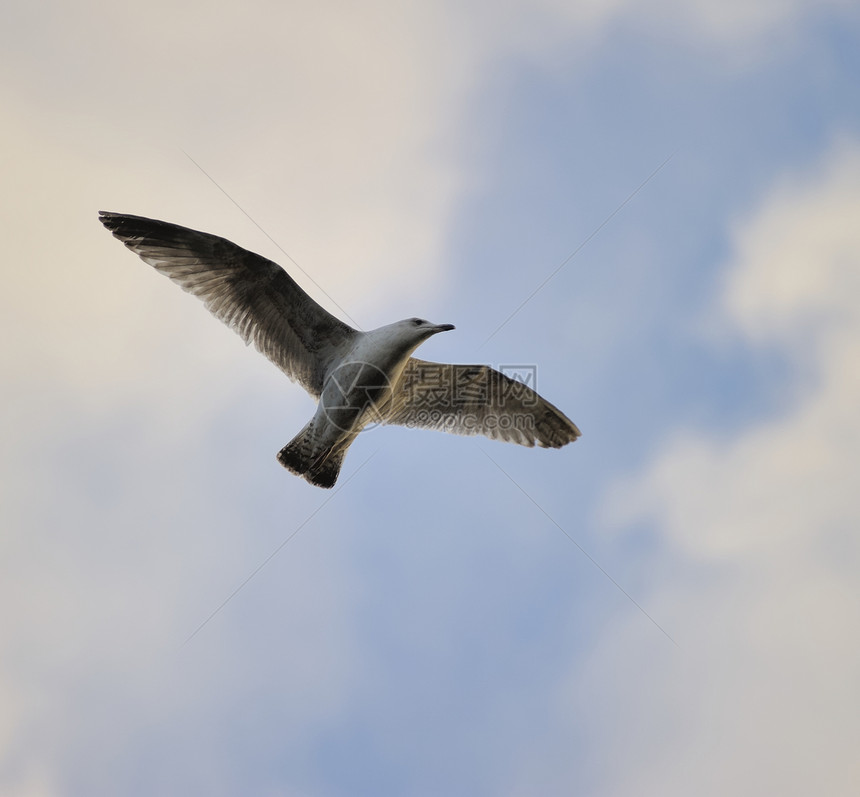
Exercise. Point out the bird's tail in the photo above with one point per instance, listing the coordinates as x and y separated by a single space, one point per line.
320 467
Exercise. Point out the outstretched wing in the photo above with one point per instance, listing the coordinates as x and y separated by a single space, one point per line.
476 399
249 293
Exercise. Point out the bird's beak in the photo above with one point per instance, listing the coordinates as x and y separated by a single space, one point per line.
442 328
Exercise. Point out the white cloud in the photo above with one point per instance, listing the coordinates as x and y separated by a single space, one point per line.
335 128
329 124
761 525
101 581
739 21
799 288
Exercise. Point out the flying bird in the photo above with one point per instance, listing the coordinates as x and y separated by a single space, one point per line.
358 378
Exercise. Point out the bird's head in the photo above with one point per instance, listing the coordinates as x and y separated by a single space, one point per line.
417 330
409 334
421 329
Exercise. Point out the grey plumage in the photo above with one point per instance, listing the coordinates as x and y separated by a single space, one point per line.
358 377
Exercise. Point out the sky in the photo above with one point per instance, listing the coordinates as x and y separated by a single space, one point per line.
652 203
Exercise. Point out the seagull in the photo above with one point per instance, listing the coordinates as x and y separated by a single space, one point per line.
359 378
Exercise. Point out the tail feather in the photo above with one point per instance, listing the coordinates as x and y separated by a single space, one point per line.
320 467
297 455
326 468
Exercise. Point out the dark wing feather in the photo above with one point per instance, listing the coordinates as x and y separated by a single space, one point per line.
476 399
249 293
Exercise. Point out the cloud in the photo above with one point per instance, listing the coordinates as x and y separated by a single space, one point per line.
341 132
337 131
101 584
759 527
738 22
797 289
331 126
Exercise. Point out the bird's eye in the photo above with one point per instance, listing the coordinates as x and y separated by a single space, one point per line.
417 321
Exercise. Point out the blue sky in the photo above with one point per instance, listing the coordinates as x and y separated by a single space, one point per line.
436 626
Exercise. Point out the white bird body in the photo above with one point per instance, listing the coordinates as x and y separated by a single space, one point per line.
358 377
357 389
